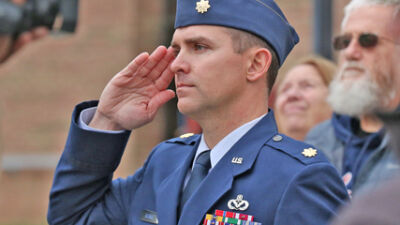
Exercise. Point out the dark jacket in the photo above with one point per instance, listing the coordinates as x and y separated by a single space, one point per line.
366 156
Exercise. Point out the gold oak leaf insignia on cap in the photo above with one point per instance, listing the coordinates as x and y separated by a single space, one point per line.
202 6
186 135
309 152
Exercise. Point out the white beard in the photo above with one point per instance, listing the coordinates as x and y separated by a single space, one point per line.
354 97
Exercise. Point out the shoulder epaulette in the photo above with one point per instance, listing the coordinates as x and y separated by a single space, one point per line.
188 138
297 149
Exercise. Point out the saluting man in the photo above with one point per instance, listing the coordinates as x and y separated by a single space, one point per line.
224 56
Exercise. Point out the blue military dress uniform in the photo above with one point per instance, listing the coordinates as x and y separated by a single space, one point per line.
274 178
281 183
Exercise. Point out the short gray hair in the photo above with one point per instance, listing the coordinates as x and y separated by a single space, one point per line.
354 4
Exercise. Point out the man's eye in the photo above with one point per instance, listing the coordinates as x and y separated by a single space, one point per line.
176 52
199 47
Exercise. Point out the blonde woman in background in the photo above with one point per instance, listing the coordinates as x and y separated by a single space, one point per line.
301 96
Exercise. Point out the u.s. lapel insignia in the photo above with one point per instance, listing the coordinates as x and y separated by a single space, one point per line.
202 6
238 204
237 160
309 152
186 135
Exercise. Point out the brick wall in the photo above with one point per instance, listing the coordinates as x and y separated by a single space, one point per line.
39 87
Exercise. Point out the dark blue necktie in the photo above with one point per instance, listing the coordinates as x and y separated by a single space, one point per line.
200 170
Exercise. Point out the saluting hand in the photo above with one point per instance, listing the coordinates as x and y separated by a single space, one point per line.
134 95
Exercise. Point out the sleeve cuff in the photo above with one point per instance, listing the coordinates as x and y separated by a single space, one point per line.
86 116
93 151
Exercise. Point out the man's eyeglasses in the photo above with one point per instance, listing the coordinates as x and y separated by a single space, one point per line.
366 40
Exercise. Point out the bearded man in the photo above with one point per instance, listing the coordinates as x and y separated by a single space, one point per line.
354 138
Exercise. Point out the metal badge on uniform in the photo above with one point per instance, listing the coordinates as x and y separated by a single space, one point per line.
238 204
309 152
277 138
237 160
149 216
202 6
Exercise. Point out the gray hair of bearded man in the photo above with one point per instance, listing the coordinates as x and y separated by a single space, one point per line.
355 4
365 95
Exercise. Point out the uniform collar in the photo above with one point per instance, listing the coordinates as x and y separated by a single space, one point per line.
223 146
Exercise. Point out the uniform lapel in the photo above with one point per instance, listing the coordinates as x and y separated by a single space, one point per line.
221 177
168 193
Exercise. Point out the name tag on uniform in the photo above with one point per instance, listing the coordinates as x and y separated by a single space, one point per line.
149 216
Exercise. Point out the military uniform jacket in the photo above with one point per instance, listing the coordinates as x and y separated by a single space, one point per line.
280 184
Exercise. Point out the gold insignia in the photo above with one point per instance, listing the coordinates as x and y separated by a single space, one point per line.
186 135
202 6
309 152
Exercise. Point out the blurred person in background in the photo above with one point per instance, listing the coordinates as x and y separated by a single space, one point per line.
9 44
382 205
369 49
301 96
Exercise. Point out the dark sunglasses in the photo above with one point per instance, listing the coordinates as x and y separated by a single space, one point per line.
366 40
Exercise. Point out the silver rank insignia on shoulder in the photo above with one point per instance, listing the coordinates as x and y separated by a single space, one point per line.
186 135
238 204
237 160
277 138
309 152
202 6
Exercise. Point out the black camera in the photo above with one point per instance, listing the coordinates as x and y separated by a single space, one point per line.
15 19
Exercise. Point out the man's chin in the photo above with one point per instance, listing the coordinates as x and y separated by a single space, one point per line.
187 108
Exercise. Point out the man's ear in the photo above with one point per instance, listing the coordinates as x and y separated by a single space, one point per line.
260 61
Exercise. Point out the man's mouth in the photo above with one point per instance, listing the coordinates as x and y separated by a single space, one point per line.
183 85
352 73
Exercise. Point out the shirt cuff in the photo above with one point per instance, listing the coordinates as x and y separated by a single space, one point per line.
86 116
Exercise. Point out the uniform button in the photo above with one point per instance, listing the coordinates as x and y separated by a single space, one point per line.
277 138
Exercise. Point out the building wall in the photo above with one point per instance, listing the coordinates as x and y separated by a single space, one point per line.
40 85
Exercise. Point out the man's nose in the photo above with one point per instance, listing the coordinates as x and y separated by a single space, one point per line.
353 52
180 64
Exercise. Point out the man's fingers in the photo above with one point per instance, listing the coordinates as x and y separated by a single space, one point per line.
22 40
165 79
135 64
156 72
160 99
167 75
39 32
153 60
